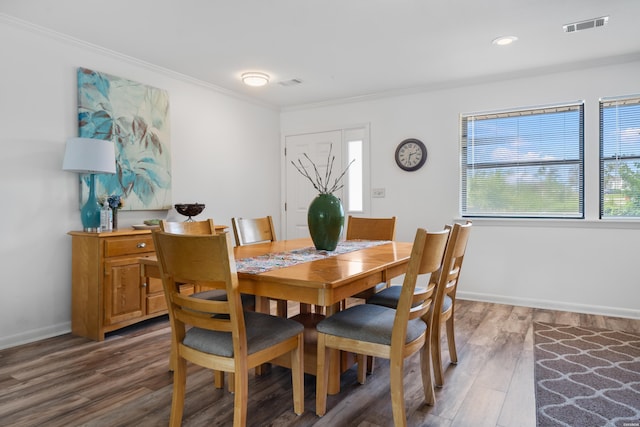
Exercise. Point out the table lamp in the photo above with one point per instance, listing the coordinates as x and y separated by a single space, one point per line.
92 156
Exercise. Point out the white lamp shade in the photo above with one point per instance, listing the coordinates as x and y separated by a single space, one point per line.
87 155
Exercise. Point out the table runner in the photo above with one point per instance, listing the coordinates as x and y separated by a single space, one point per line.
267 262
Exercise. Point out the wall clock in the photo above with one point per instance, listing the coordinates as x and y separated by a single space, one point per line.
411 154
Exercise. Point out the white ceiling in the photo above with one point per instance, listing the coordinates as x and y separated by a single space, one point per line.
345 48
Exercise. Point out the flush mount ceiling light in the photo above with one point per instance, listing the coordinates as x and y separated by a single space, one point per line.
504 40
254 78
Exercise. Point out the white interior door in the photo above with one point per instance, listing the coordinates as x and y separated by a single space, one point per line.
299 190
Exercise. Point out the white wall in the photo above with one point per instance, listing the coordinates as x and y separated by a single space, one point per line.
217 138
583 266
225 153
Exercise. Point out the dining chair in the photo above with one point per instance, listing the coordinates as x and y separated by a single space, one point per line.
201 228
220 335
362 228
205 227
253 230
370 228
445 300
394 334
249 231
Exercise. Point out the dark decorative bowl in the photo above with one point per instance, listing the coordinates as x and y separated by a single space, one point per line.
189 209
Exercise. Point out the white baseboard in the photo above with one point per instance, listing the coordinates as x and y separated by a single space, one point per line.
551 305
35 335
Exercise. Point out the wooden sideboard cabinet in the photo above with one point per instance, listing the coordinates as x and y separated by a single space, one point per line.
107 290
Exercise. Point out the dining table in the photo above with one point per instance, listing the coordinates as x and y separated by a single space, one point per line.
294 270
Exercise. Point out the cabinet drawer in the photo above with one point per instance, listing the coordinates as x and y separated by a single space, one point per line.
156 303
128 245
154 286
187 289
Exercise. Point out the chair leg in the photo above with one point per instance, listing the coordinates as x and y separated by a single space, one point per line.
240 401
297 375
451 340
370 364
281 308
436 356
322 376
362 361
179 386
218 377
232 383
427 380
396 373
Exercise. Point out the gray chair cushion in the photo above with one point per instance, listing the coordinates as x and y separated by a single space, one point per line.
220 295
263 331
389 298
368 322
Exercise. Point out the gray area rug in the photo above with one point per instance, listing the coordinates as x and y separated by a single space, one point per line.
586 377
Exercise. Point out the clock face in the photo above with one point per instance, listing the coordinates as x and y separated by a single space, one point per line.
411 154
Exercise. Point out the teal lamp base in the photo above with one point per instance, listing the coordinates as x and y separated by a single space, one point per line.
90 212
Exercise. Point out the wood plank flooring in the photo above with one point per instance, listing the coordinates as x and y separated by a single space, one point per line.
124 381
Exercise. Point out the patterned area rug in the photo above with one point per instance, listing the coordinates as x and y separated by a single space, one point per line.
586 377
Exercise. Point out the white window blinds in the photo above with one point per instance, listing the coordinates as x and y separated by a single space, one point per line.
527 163
620 157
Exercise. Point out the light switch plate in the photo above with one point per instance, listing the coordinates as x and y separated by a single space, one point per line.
377 193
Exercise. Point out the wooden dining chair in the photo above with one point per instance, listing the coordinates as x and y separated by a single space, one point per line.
249 231
220 335
205 227
188 227
201 228
446 281
362 228
370 228
394 334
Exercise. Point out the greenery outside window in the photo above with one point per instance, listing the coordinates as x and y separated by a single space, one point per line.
620 158
526 163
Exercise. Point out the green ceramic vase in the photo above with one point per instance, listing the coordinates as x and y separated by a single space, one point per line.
326 220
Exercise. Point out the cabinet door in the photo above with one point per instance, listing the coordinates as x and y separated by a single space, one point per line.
123 294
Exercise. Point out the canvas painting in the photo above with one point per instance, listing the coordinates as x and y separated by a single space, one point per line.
136 118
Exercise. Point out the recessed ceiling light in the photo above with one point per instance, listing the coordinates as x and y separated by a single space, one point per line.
504 40
255 78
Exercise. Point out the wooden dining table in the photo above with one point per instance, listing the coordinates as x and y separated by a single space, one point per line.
325 281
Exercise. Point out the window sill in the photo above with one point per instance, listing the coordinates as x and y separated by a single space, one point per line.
554 222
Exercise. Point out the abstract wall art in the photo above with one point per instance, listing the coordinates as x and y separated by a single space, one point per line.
136 118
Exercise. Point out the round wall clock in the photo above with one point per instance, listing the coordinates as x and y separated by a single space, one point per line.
411 154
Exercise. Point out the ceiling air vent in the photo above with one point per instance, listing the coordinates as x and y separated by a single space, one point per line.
291 82
585 25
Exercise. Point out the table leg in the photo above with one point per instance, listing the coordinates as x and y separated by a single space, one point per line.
263 305
333 386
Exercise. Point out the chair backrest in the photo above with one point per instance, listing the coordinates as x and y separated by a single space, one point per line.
188 227
253 230
371 228
204 260
426 258
447 277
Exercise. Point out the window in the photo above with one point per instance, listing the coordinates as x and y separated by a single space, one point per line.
354 176
524 164
620 158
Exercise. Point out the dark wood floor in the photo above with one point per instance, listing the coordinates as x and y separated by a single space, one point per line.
124 381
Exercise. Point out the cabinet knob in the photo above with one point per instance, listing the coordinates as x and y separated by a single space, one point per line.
144 284
142 245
